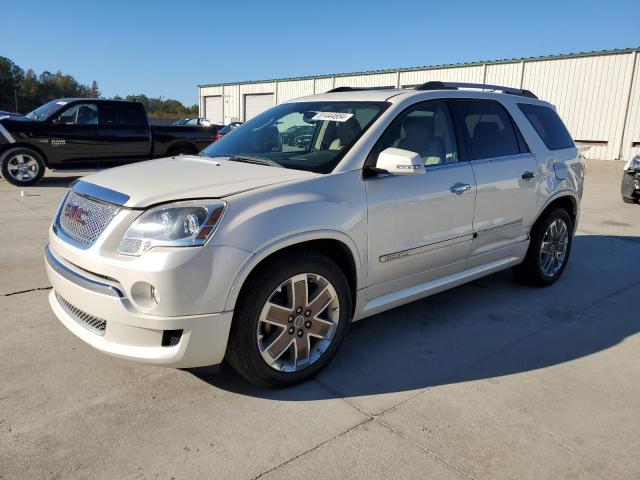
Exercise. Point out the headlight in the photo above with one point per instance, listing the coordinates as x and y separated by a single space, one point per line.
183 224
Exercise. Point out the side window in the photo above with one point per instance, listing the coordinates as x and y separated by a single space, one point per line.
79 114
425 129
548 125
123 114
488 129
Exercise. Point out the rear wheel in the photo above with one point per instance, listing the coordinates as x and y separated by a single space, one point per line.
22 166
290 320
549 250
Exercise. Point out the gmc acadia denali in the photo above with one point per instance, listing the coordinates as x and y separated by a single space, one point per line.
261 253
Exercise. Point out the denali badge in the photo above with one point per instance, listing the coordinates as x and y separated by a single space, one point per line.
75 213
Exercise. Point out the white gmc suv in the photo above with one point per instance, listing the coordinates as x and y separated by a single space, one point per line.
320 211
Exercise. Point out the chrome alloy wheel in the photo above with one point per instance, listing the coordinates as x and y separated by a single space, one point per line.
298 322
553 251
23 167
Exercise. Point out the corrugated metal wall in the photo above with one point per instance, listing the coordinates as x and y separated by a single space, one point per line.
598 95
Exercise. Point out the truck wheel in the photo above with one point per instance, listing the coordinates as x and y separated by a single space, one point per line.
549 250
22 166
290 320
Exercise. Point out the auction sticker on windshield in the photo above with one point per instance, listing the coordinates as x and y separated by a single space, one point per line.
332 116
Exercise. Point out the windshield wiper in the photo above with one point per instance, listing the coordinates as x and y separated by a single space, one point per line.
254 160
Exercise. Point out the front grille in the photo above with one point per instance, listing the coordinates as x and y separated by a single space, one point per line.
84 219
88 321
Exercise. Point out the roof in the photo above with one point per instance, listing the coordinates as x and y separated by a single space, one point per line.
436 67
396 95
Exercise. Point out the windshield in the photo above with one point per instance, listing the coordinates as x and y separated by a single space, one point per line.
45 111
310 136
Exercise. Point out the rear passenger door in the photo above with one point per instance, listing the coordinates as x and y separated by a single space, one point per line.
504 170
126 132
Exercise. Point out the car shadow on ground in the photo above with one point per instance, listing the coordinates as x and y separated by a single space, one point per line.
58 181
488 328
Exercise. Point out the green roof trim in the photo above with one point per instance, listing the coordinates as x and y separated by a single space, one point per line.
434 67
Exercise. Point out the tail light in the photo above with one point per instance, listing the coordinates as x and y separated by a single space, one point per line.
217 137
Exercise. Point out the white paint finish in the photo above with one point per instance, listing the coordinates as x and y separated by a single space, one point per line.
213 108
506 74
632 132
457 74
290 90
372 80
256 103
323 85
590 94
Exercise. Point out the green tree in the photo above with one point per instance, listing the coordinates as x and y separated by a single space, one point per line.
10 78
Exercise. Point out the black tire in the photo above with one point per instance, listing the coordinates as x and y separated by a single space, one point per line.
629 200
243 352
10 155
530 271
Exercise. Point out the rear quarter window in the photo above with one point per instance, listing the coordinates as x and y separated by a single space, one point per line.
547 123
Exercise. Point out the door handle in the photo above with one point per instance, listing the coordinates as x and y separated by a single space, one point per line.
528 175
459 188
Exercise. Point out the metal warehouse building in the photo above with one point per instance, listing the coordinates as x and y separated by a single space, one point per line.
597 93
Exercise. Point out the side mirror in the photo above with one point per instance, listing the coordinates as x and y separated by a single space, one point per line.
400 162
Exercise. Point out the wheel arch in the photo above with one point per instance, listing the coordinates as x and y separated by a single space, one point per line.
566 200
29 146
335 245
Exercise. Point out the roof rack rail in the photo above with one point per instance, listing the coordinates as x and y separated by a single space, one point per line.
435 85
351 89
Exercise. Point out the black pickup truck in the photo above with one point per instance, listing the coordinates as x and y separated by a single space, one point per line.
85 134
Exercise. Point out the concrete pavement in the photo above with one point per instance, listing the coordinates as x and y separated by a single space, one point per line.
491 380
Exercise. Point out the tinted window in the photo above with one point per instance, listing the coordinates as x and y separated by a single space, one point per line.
548 125
310 136
425 129
79 114
488 129
121 113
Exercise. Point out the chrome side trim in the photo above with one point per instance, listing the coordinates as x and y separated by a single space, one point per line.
5 133
99 193
500 227
499 159
80 280
424 248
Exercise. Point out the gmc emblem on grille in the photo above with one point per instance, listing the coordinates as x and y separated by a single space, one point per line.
75 213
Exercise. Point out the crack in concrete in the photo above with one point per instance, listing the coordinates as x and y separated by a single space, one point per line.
26 291
312 449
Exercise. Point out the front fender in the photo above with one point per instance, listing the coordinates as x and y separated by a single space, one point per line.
321 207
289 241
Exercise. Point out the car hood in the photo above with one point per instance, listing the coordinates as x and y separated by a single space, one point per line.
186 177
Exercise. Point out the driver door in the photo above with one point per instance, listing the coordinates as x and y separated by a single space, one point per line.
420 226
75 135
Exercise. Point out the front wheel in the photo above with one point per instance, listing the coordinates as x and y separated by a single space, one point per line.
290 320
549 250
22 166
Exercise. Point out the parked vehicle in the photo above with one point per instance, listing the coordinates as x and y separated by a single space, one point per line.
82 133
263 256
193 121
630 187
226 129
290 135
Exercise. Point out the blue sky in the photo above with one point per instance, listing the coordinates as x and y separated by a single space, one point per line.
166 48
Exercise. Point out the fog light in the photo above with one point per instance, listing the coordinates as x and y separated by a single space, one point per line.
145 295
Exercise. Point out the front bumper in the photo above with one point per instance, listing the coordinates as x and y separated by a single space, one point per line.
81 300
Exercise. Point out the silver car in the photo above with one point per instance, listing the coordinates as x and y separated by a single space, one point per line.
261 253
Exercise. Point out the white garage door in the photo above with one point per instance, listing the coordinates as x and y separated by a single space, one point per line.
256 103
213 109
